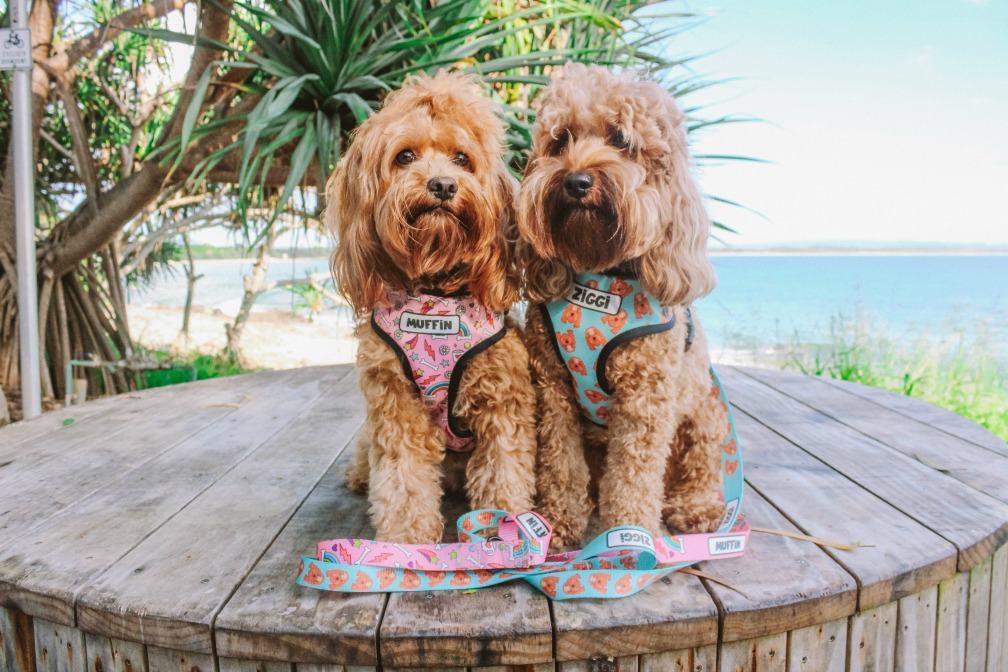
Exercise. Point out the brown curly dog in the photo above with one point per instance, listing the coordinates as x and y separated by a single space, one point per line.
608 190
420 204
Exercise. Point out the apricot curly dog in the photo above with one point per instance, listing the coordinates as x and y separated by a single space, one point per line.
611 221
420 204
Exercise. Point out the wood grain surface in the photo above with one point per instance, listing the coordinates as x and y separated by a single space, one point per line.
975 523
169 587
162 530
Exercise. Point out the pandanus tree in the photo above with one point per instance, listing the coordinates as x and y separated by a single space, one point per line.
271 95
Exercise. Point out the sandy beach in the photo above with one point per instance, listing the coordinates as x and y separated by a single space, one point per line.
275 339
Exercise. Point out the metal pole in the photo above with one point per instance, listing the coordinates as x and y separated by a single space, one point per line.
24 221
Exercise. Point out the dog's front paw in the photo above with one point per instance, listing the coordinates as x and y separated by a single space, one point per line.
564 538
411 531
569 524
357 478
695 517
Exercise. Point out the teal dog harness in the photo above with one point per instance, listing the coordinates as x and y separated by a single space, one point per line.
599 313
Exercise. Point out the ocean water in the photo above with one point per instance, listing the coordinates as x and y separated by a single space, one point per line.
768 301
762 302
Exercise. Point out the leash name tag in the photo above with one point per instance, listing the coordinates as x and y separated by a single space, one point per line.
727 544
432 325
617 538
533 525
594 299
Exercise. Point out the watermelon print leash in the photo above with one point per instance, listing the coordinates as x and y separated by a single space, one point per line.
619 562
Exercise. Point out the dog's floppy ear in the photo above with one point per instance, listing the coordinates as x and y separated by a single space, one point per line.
543 279
494 278
678 270
352 193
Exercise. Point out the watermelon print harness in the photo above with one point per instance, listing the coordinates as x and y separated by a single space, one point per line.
435 337
599 313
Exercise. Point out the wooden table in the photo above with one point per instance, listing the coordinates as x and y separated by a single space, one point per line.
162 531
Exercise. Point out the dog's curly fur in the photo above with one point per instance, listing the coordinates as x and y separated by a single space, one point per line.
659 459
394 234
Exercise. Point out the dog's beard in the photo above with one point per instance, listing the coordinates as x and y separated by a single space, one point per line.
429 242
587 234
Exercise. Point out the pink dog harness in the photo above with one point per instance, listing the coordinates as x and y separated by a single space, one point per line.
435 337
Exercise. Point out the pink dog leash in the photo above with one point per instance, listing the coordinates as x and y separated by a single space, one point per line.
619 562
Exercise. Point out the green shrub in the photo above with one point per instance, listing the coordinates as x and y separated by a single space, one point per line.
207 365
960 370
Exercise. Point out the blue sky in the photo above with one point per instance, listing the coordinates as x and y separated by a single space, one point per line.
885 122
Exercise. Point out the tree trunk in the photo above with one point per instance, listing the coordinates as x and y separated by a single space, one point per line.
182 342
84 310
253 288
41 20
4 409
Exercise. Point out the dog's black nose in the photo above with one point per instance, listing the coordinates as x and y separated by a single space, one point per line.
578 184
443 188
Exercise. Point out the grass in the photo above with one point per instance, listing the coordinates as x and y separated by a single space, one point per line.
962 371
207 365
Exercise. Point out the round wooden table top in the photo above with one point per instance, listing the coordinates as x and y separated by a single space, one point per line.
174 519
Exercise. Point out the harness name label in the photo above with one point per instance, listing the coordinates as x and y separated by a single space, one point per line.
533 525
629 538
439 325
594 299
725 545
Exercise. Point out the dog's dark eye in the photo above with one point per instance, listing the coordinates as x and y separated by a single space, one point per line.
618 140
405 157
461 159
559 143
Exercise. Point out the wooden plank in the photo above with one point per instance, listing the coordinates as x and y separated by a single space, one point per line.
78 473
975 523
964 461
58 648
780 584
42 572
978 616
600 664
166 660
950 640
451 628
765 654
49 438
315 626
943 419
997 631
900 556
703 659
17 641
818 648
154 596
114 655
915 631
16 439
541 667
234 665
676 610
872 637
